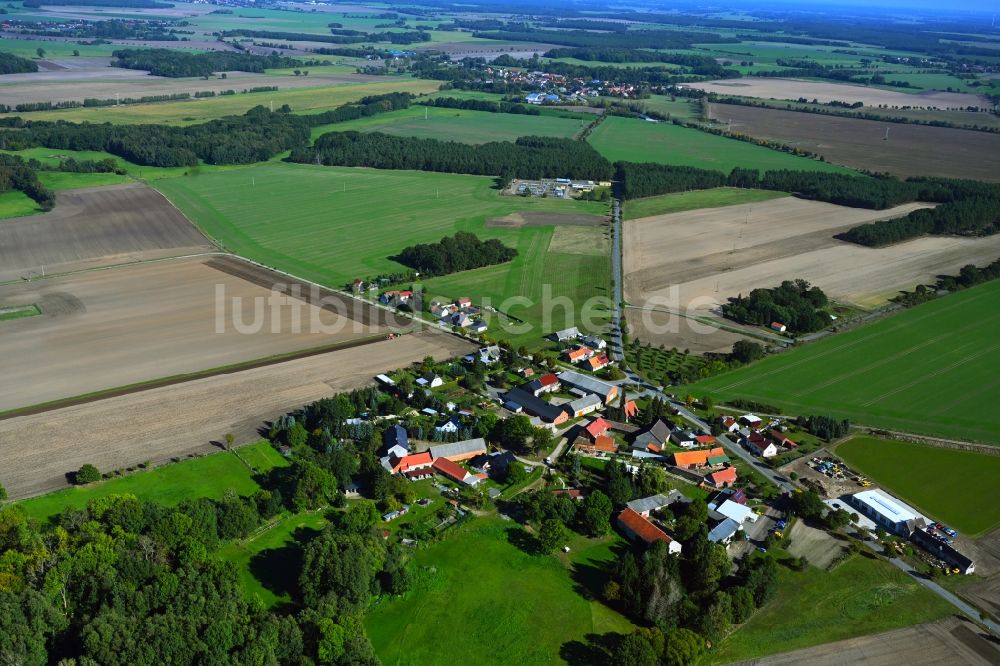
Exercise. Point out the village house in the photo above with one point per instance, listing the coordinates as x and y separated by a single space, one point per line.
578 353
456 451
778 326
596 428
654 438
696 459
630 409
729 424
760 445
518 399
588 384
601 446
638 528
723 478
594 342
430 381
582 406
780 439
451 426
395 435
598 362
456 472
571 333
724 531
547 383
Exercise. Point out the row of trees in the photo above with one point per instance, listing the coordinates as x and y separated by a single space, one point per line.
256 136
176 64
483 105
639 39
794 303
824 426
14 64
699 65
461 252
969 276
527 157
338 36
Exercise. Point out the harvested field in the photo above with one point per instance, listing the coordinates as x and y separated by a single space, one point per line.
911 150
773 241
96 227
819 547
104 82
541 219
177 420
952 640
829 92
110 328
674 331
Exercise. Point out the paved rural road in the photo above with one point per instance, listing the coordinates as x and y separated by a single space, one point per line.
617 347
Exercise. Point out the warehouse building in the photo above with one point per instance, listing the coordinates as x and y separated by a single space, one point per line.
888 512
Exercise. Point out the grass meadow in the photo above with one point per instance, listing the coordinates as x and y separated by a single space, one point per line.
348 222
930 369
633 140
860 596
682 201
461 125
943 483
503 602
208 476
15 203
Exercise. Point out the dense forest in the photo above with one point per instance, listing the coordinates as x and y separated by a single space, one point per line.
177 64
640 39
680 602
16 174
966 207
255 136
700 65
794 303
528 157
461 252
13 64
130 582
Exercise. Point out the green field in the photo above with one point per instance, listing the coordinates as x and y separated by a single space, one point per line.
15 203
930 369
302 100
506 606
943 483
208 476
347 222
859 597
265 558
460 125
682 201
633 140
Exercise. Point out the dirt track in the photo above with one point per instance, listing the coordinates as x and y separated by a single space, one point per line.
96 227
948 641
110 328
840 92
911 150
37 451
